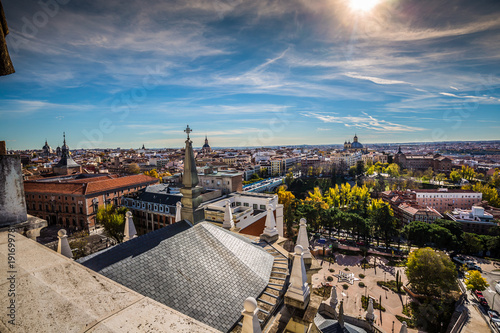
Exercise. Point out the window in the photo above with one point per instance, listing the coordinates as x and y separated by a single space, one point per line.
263 207
73 209
238 204
81 210
254 206
246 204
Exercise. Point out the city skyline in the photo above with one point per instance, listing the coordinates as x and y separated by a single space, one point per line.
250 74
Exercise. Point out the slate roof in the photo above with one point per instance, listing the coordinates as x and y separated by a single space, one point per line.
205 272
332 326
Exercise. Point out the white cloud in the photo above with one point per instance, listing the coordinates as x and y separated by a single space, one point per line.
366 122
374 79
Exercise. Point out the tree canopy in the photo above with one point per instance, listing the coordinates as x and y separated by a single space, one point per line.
431 272
113 221
475 281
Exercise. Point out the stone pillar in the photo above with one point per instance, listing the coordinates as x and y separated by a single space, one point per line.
228 216
298 293
303 240
404 328
250 320
178 208
279 220
270 232
12 199
63 245
370 315
130 231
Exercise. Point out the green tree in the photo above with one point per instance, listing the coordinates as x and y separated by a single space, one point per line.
393 170
113 221
475 281
360 168
383 219
431 272
133 168
472 243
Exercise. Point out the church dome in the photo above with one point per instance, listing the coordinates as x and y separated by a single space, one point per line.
356 145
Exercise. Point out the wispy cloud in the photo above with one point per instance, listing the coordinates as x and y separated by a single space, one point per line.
366 122
374 79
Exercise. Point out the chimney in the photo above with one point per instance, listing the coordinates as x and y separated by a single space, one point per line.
178 207
3 149
63 245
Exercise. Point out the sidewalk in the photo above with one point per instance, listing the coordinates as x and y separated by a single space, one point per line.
477 322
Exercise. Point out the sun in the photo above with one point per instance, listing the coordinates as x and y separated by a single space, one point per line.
363 5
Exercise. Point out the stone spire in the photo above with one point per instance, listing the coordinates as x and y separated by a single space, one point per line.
190 176
333 297
270 232
228 216
404 328
178 208
63 245
191 198
303 240
370 315
130 231
298 293
250 320
341 314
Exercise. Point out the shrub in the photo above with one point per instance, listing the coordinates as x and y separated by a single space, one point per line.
361 284
345 286
361 276
346 269
329 279
331 270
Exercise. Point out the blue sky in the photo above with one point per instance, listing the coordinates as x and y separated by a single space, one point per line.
250 73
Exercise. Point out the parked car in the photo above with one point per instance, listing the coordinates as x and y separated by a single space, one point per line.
483 302
478 293
494 316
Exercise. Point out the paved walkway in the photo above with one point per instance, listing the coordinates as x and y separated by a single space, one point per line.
392 302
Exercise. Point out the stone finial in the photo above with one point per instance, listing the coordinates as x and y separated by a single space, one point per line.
228 216
298 293
370 315
178 208
270 233
130 231
404 328
250 320
333 297
303 239
63 245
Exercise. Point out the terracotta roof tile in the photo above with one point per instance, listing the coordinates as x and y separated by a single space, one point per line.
127 181
87 186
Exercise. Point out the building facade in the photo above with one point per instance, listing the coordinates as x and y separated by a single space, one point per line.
73 201
440 164
445 200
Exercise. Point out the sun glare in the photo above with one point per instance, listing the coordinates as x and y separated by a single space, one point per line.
363 5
